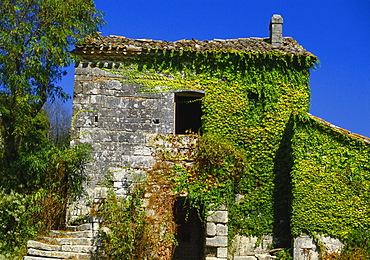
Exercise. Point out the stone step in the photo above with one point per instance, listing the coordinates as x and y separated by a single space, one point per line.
75 243
78 248
71 228
82 227
40 258
68 241
77 234
86 226
65 248
58 254
43 246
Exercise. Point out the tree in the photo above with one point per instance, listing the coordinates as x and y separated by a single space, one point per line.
59 119
35 38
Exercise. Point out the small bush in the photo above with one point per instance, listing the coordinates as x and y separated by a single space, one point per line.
357 246
17 224
125 226
285 254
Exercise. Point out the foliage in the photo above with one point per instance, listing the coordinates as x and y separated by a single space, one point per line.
53 177
297 176
125 220
214 176
41 164
38 186
17 224
358 241
162 229
248 101
284 254
357 247
130 233
35 37
330 181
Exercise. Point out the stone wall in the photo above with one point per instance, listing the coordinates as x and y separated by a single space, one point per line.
252 248
306 248
217 234
118 120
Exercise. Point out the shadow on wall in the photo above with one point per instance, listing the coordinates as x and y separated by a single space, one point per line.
283 164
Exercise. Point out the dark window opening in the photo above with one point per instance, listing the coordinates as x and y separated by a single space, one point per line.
190 232
188 112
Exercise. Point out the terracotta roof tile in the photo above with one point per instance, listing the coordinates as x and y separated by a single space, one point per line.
114 47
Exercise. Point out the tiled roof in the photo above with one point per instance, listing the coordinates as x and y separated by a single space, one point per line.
343 131
115 47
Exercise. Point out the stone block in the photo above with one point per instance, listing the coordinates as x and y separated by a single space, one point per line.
221 230
265 257
39 258
118 173
119 185
218 216
78 248
58 254
211 229
42 246
304 247
238 198
247 245
142 151
70 241
222 252
100 192
248 257
332 245
113 84
217 241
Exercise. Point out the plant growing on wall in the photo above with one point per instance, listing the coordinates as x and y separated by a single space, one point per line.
249 98
258 142
133 233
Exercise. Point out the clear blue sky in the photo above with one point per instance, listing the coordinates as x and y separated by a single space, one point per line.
337 31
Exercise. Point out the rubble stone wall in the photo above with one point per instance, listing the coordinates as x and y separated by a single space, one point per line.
118 120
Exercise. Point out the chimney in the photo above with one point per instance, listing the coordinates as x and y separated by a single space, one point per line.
276 30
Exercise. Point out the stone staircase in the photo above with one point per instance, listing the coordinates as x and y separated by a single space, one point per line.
78 242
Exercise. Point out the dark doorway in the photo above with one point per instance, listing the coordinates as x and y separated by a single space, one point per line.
188 112
190 233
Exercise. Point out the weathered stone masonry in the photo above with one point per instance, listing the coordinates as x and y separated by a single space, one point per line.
118 121
121 122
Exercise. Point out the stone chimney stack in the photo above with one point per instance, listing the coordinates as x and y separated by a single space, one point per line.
276 30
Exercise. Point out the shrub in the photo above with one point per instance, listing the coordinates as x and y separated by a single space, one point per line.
17 223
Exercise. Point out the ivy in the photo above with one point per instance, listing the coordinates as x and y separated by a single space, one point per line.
248 101
331 181
290 175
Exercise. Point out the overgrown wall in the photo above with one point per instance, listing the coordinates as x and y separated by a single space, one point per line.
259 154
330 180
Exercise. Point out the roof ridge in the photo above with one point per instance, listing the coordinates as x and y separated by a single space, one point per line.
342 130
118 45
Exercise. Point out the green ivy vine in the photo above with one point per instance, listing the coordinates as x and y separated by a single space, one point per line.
256 143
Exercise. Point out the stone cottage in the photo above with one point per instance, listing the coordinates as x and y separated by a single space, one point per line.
251 92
